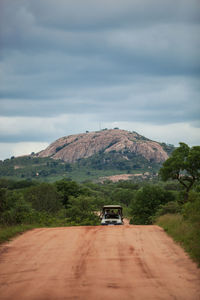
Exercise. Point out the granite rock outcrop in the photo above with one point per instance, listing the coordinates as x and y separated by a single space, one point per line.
79 146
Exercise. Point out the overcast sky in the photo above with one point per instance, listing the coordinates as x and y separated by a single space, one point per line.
68 66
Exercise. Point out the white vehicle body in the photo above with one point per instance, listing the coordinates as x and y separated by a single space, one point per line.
112 215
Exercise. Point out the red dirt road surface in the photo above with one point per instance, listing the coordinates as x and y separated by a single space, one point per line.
93 263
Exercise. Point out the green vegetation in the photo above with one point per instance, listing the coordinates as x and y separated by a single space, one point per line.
184 166
7 232
185 226
25 205
182 232
30 203
124 161
181 219
31 167
81 211
99 165
147 201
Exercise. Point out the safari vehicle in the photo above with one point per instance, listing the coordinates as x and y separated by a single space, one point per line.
111 215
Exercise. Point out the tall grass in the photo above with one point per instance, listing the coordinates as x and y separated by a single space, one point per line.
184 232
8 232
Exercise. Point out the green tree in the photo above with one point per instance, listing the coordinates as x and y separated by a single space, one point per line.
81 211
183 165
22 211
3 200
8 199
44 197
123 196
16 210
66 189
146 202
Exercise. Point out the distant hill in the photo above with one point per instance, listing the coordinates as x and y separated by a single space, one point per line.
80 146
91 155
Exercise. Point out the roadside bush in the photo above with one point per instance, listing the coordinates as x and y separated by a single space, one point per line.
171 207
191 209
20 212
81 211
185 226
182 231
44 197
146 202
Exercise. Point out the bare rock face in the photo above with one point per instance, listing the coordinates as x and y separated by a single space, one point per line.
74 147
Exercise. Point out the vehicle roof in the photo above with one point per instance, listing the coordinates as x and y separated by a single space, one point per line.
112 206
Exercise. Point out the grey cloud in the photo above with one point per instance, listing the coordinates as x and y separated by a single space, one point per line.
161 101
110 60
93 14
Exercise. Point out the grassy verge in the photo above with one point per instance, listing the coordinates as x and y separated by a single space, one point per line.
183 232
8 232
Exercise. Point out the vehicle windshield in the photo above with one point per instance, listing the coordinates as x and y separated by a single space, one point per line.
112 216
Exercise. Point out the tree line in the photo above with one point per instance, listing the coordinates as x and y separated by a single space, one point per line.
66 202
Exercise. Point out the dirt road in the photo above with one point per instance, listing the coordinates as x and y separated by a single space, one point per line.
113 262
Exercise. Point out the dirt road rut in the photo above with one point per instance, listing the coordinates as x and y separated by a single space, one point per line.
114 262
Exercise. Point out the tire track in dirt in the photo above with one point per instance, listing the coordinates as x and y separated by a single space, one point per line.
84 250
97 262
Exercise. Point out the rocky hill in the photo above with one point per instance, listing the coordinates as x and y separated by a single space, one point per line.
81 146
106 155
